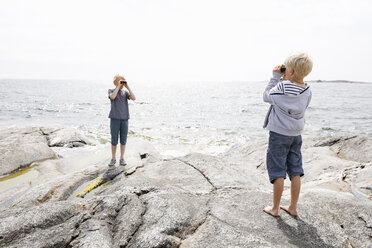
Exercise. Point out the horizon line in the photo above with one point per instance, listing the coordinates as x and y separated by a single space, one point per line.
190 81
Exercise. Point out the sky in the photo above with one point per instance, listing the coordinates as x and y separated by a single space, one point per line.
183 40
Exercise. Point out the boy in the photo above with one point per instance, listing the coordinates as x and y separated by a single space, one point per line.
119 115
285 121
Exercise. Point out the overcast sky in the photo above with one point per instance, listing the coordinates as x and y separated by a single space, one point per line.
188 40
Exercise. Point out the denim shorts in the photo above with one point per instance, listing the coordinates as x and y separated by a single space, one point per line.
118 127
284 156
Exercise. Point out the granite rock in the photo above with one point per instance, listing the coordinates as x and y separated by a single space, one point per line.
200 200
20 147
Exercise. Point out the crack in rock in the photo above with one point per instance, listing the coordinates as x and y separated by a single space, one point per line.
332 141
231 225
114 217
49 194
135 169
191 230
366 219
102 218
77 231
41 221
133 234
201 172
144 159
258 166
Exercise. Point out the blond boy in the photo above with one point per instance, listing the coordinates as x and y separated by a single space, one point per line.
285 120
119 116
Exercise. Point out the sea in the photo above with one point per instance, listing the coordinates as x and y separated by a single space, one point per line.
179 118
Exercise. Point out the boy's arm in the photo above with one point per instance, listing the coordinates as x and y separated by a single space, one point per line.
131 95
274 87
309 100
113 95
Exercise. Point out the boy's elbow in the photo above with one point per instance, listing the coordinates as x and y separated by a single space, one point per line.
267 99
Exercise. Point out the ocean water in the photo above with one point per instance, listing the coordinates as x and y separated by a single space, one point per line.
177 118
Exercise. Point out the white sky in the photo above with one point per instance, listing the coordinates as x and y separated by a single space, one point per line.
186 40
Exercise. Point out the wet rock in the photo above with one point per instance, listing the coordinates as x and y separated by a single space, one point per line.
54 190
21 147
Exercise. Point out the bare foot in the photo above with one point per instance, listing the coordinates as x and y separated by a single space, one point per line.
292 212
269 210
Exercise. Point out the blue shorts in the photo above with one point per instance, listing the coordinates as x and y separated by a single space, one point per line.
284 156
118 126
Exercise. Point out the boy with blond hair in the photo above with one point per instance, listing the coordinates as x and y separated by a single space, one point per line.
119 116
285 120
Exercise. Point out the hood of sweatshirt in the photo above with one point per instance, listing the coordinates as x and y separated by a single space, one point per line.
288 113
293 106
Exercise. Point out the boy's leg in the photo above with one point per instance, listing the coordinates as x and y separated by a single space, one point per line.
276 158
278 190
114 128
122 151
295 171
123 137
295 193
113 152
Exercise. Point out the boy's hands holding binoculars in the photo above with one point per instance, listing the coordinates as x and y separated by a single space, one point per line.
279 69
123 83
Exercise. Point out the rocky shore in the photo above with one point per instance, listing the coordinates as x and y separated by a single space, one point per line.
196 200
20 147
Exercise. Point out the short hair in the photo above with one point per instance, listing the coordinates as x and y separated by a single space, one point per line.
118 77
300 62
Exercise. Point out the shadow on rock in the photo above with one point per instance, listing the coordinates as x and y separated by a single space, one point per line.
304 235
111 173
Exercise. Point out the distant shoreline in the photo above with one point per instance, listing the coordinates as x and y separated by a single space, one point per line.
338 81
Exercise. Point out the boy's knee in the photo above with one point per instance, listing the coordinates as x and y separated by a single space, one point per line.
277 179
296 176
123 139
114 139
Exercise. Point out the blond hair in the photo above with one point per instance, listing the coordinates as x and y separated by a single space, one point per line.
118 77
301 63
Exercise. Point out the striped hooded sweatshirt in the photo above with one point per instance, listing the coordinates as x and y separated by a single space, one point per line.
288 101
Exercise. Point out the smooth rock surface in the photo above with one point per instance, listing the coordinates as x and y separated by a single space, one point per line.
68 137
200 200
20 147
